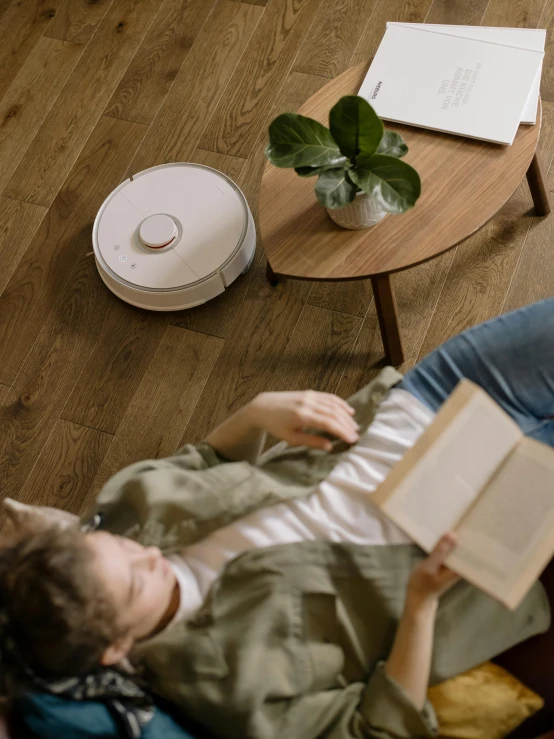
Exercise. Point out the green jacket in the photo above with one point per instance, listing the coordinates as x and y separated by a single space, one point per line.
291 640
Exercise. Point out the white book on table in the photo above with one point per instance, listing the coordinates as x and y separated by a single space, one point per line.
523 38
449 83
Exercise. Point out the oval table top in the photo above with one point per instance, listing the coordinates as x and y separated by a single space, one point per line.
464 183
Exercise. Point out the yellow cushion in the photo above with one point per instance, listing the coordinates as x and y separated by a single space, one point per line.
484 703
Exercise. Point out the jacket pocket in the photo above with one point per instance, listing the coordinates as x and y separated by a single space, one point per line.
319 617
321 639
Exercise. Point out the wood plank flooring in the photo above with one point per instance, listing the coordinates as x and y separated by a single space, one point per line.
91 92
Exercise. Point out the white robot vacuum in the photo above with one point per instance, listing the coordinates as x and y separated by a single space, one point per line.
173 236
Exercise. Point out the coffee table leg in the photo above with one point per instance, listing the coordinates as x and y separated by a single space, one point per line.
538 187
271 276
387 314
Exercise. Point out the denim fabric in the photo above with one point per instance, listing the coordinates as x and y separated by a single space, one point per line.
511 357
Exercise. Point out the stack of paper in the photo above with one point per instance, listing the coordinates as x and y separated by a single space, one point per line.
468 80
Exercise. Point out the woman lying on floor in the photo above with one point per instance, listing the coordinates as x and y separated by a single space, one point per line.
266 596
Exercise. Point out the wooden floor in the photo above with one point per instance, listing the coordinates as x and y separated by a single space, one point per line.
92 91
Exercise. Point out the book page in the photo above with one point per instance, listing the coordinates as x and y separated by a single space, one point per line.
507 537
436 482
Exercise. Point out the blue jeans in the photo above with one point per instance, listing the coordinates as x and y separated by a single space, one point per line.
511 357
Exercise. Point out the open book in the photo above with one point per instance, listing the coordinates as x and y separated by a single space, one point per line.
474 472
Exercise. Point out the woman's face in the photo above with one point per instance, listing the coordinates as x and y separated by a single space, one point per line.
139 579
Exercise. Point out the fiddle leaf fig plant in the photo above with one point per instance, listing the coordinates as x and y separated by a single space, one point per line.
355 154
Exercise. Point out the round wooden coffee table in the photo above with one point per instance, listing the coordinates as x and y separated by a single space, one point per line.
464 183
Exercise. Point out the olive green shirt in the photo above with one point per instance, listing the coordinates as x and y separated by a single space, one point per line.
291 640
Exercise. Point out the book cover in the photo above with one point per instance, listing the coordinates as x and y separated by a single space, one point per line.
533 39
448 83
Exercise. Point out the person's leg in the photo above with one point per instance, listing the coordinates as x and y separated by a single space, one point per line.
511 357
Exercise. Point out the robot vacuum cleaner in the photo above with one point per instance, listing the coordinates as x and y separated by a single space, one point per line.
173 236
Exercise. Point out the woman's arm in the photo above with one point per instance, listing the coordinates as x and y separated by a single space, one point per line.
241 436
409 662
295 417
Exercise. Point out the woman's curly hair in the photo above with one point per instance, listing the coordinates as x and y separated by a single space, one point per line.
59 615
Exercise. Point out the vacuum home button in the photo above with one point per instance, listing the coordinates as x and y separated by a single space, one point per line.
158 231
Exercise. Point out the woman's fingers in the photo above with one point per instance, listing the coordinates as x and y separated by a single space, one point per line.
445 545
431 578
329 413
313 400
334 400
311 440
337 424
331 402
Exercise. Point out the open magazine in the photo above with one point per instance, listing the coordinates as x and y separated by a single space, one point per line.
474 472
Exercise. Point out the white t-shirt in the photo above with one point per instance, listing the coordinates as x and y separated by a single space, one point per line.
339 510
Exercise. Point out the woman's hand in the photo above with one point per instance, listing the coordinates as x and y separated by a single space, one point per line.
430 579
294 417
289 415
409 662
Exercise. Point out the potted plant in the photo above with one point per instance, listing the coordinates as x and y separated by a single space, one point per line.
360 177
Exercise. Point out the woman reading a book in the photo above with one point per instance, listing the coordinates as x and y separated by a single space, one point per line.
266 595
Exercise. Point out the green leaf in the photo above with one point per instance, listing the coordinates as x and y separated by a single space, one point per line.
312 171
355 126
298 141
393 183
392 144
334 189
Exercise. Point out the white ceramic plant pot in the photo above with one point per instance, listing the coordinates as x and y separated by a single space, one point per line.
362 212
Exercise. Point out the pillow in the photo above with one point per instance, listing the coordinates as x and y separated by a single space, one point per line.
51 717
484 703
32 519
